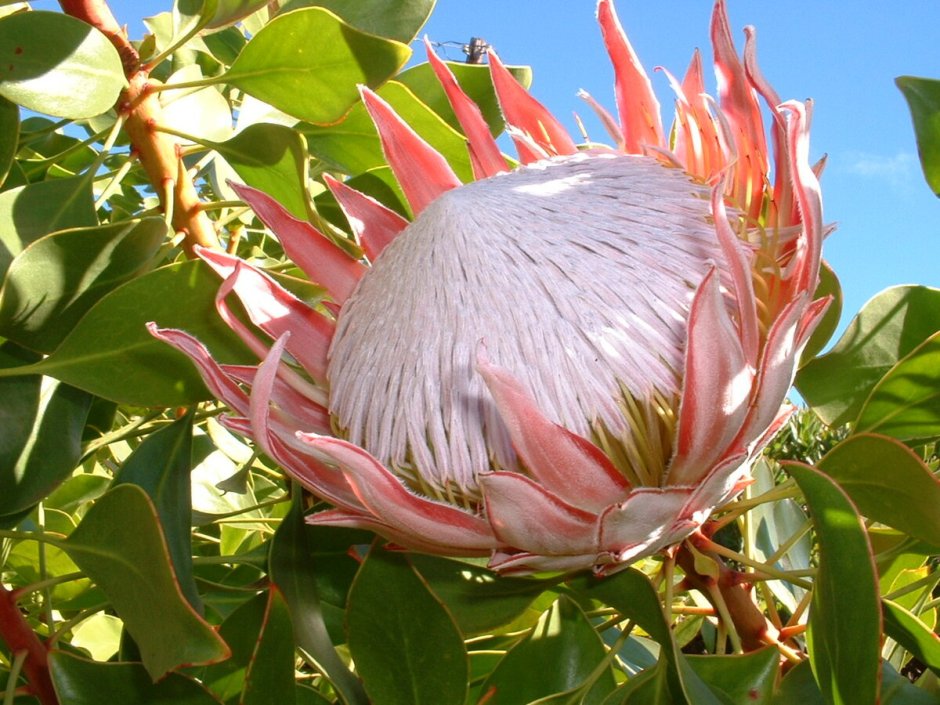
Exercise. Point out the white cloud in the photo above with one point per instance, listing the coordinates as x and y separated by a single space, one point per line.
897 168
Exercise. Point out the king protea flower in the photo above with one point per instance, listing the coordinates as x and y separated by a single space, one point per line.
562 365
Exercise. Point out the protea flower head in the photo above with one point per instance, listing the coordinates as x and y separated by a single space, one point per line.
562 365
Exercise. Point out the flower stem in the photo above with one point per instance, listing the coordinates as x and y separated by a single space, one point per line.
19 637
158 153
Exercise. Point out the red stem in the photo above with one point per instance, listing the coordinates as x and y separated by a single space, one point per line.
19 636
158 152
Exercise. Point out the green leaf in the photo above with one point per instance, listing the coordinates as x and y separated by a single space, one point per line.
745 678
160 466
631 594
78 681
828 286
395 19
9 136
110 352
273 159
923 99
475 82
41 441
55 64
479 599
898 690
911 633
54 281
29 212
230 11
844 635
353 146
406 646
559 655
270 675
294 570
888 483
888 328
905 403
120 546
799 687
309 63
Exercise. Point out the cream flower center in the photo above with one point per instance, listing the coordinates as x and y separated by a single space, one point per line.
577 275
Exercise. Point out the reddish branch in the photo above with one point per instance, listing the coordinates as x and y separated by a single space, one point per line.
158 153
19 637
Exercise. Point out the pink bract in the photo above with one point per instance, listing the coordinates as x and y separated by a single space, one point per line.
564 365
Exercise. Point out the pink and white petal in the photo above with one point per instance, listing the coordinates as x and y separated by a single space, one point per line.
304 410
311 250
220 384
527 114
485 156
607 120
738 262
718 382
722 483
322 480
387 498
526 147
275 310
808 196
567 465
526 516
421 170
373 223
527 563
648 520
358 520
640 118
742 111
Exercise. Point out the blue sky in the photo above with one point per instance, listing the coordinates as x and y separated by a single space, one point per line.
843 55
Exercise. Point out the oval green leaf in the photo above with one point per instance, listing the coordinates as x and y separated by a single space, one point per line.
160 466
888 483
309 63
887 329
559 655
828 286
55 64
905 403
29 212
41 442
406 646
111 354
395 19
78 681
915 636
119 544
9 136
844 635
56 279
923 98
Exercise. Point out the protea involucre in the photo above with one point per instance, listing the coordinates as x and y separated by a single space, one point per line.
565 365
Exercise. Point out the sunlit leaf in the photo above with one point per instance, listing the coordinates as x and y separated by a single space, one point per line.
111 354
559 655
54 281
119 544
744 678
887 329
844 635
160 466
406 646
313 80
395 19
78 681
905 403
55 64
41 440
29 212
888 483
479 599
294 570
828 286
923 98
915 636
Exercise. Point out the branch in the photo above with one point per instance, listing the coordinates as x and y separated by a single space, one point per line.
19 637
158 152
